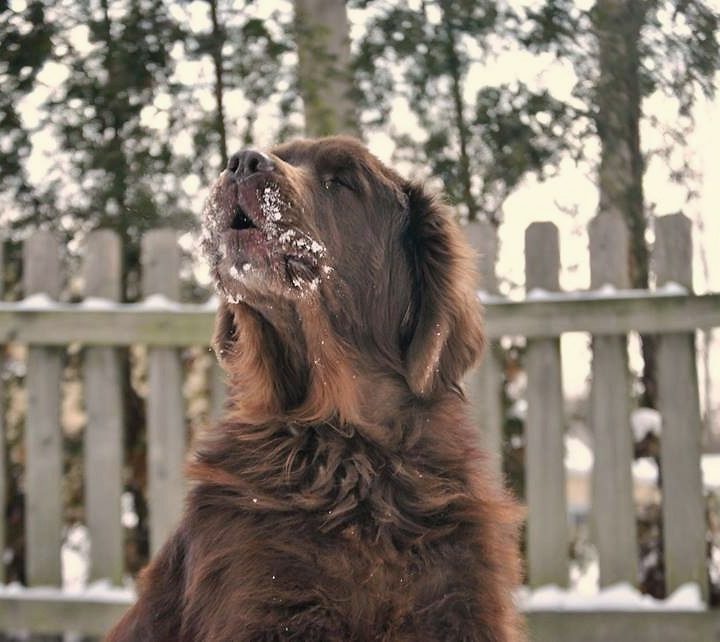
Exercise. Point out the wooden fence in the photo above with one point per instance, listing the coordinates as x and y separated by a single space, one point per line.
102 327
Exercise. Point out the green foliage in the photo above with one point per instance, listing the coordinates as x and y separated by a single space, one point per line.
123 167
129 129
680 50
522 132
481 148
25 46
678 44
249 56
555 25
484 146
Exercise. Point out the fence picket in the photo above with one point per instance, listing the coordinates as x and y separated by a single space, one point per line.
104 431
484 383
613 513
166 432
3 455
218 390
43 433
547 530
679 404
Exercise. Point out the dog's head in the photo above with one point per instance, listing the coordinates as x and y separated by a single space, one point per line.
331 267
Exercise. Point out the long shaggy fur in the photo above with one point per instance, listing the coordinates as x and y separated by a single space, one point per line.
343 496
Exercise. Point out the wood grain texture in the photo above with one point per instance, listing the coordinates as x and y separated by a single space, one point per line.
613 511
103 455
166 430
218 390
547 533
189 324
684 525
3 447
43 433
484 383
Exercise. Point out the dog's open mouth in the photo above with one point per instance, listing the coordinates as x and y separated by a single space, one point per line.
241 221
252 237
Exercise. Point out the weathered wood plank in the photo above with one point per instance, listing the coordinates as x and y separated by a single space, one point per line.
613 512
47 612
188 324
96 615
484 391
123 325
218 390
43 434
103 455
3 451
484 383
684 525
167 440
547 533
617 626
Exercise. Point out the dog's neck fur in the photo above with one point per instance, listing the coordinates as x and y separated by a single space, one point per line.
288 362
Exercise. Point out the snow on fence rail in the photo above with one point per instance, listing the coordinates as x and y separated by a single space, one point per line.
102 325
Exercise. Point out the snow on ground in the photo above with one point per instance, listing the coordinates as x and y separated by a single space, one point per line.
97 303
100 591
158 302
645 421
75 564
618 597
75 558
578 457
40 301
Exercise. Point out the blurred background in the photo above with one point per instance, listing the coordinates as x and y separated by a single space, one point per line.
117 115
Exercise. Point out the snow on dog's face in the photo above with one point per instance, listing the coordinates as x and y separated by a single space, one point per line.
282 223
327 248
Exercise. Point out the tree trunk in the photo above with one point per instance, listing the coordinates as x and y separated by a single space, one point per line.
218 41
324 74
463 131
617 25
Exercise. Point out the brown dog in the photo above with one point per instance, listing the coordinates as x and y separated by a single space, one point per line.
342 497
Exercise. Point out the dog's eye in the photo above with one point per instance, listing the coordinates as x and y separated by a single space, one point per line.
333 181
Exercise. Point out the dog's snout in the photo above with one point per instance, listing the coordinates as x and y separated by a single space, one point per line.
249 162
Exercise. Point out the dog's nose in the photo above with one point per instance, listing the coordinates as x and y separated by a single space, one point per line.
249 162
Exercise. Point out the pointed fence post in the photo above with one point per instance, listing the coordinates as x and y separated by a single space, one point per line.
684 525
166 430
484 383
43 433
613 511
104 431
547 528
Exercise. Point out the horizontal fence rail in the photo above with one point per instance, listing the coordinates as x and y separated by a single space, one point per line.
554 314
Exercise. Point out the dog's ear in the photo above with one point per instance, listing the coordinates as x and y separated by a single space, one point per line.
226 332
448 337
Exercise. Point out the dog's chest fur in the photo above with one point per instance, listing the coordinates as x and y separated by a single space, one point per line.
318 521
